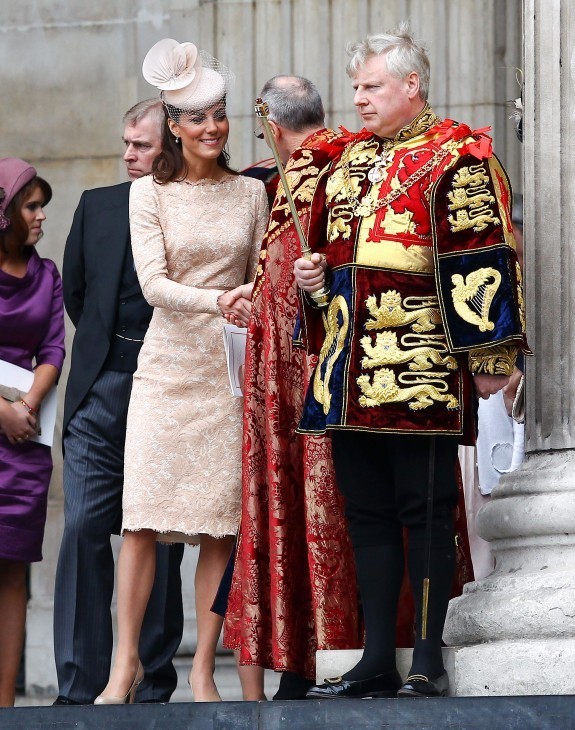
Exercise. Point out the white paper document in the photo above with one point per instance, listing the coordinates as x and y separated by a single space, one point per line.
235 346
20 378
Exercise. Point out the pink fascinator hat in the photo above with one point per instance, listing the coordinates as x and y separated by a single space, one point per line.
187 78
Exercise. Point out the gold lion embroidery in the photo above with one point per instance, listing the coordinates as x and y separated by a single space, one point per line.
305 158
470 199
386 351
300 190
392 312
422 390
463 198
336 326
334 189
350 171
473 176
477 219
473 295
336 228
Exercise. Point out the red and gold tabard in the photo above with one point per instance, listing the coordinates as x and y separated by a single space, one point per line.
424 283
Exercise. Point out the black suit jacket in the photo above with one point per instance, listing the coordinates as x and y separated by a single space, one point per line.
92 275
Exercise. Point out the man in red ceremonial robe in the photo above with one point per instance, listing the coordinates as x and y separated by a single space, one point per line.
423 309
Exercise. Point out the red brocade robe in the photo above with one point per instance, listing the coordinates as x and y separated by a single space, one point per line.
294 589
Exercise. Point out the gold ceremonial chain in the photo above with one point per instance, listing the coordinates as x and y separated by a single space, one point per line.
368 206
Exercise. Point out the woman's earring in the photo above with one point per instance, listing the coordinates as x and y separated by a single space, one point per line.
177 139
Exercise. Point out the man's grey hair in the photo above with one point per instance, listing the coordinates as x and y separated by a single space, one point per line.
404 55
294 103
148 108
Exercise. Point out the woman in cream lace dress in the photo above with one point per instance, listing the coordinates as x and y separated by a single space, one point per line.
196 232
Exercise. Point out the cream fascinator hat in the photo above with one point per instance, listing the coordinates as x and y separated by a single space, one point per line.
188 79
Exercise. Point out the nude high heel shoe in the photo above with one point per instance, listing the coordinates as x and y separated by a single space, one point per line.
128 698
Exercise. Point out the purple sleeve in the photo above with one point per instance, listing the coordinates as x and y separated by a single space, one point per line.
51 350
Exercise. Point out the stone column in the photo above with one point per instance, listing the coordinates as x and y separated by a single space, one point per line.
515 630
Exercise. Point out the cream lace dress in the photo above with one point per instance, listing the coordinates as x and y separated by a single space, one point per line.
191 242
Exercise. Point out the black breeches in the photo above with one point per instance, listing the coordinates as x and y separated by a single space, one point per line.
384 481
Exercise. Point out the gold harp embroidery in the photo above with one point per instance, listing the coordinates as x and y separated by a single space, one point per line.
421 391
336 323
473 295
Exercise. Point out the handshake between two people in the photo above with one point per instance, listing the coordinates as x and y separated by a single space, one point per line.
236 304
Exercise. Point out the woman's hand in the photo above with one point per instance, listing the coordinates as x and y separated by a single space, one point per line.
310 273
235 305
16 423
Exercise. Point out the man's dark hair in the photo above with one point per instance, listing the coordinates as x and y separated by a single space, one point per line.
294 103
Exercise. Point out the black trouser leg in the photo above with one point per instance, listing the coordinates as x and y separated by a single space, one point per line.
377 539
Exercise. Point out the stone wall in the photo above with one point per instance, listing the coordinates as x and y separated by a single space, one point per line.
71 69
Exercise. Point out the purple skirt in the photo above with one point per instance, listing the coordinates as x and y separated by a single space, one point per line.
25 471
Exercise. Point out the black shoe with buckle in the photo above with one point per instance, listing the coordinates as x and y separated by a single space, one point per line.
418 685
382 685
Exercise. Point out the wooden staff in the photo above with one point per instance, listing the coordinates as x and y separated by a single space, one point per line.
321 296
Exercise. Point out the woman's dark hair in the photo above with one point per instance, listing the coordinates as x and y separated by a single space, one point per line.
18 231
170 165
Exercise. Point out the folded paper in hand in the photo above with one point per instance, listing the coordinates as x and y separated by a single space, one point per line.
235 346
20 380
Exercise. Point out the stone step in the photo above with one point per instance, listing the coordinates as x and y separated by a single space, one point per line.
463 713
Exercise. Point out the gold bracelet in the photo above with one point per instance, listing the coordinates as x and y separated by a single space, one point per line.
29 408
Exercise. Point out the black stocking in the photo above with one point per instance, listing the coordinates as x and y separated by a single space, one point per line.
379 574
292 687
427 659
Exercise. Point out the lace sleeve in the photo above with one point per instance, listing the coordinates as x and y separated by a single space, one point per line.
150 257
260 225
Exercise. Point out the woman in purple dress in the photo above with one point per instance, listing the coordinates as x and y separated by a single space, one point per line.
32 337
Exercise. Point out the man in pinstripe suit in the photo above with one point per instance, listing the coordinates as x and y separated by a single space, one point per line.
105 303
